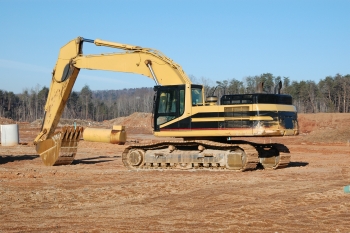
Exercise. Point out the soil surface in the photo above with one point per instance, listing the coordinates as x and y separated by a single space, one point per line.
98 194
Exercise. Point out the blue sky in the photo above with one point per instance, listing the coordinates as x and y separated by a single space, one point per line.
217 40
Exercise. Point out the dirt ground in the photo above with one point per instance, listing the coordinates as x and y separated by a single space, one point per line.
98 194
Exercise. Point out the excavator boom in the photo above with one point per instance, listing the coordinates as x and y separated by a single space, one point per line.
131 59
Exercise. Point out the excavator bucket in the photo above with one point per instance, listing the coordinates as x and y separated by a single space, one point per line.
61 148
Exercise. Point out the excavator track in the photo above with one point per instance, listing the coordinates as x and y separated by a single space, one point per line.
273 155
284 155
196 154
207 155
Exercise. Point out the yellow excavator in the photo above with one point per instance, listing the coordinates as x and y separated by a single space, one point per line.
208 126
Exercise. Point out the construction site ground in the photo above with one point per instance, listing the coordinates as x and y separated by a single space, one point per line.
98 194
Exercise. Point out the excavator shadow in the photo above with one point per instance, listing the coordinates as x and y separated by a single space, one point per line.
95 160
291 164
9 158
297 164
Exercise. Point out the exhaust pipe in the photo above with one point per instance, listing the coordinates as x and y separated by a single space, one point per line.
278 88
260 87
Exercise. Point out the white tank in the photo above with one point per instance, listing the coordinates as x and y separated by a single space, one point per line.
9 135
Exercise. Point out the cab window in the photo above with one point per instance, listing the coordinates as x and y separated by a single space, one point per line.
196 96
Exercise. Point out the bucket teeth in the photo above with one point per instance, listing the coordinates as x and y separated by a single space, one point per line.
61 148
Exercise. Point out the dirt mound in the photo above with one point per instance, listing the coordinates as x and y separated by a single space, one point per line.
325 127
6 121
138 122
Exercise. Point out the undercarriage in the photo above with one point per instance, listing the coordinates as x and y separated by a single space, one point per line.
207 155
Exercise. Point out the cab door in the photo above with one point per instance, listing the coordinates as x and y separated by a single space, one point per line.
168 105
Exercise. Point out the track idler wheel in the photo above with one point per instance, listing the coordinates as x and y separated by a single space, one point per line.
61 148
269 158
135 158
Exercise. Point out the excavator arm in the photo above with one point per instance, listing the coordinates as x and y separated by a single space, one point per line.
60 148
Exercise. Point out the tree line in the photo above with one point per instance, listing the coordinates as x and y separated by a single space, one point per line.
331 94
85 104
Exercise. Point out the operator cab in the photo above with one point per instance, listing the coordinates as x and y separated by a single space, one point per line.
169 102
